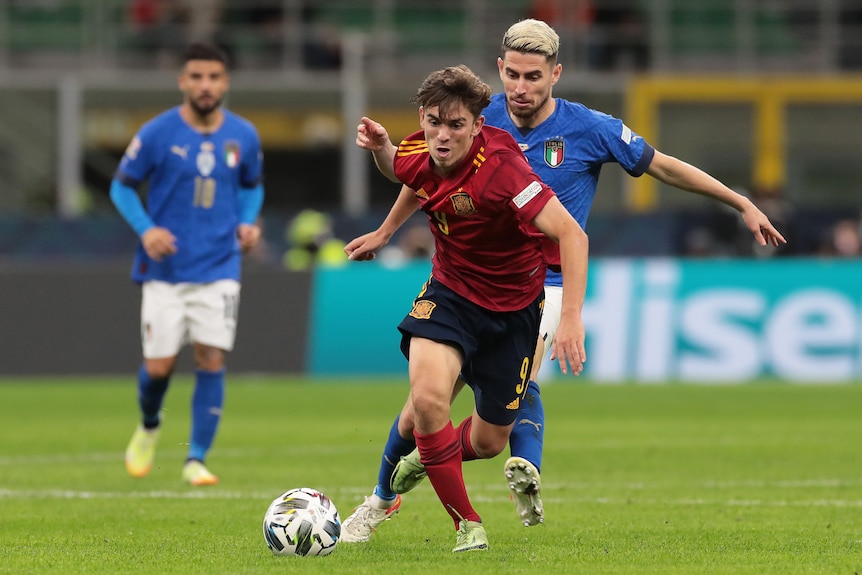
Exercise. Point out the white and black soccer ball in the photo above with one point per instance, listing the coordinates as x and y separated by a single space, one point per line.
302 521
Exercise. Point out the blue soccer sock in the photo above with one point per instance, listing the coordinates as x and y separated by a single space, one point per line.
528 435
151 393
396 448
207 402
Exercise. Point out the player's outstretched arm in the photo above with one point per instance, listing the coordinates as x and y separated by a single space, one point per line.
762 229
364 247
559 225
674 172
372 136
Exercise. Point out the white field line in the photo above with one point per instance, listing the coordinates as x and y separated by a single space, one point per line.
73 494
689 502
712 484
179 451
478 491
244 453
481 497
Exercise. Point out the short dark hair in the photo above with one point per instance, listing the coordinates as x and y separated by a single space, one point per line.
205 51
450 87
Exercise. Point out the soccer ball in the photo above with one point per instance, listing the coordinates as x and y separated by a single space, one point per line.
302 521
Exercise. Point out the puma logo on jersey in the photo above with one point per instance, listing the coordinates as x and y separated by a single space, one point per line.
538 426
181 152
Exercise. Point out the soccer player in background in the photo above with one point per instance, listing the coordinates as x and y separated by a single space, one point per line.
204 166
479 312
566 143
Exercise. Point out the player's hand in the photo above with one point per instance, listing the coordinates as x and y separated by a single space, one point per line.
763 230
364 248
569 344
158 243
370 135
248 236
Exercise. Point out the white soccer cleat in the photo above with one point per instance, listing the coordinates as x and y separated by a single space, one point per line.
365 519
525 484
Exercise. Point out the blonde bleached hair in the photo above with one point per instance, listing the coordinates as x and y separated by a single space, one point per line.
532 37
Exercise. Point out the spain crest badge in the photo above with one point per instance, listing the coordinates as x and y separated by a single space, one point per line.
463 203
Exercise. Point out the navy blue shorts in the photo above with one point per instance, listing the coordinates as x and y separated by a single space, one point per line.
497 347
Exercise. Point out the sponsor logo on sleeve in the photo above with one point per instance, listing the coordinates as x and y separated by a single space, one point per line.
626 136
133 148
527 194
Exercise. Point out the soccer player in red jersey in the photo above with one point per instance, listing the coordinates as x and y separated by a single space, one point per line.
566 144
479 313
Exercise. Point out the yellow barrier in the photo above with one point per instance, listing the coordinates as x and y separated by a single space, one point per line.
768 94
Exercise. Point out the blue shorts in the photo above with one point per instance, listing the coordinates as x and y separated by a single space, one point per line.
497 347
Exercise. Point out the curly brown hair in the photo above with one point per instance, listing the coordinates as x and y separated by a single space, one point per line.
450 87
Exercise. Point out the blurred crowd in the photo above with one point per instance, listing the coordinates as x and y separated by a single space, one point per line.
843 240
161 28
603 35
312 237
312 241
722 233
612 34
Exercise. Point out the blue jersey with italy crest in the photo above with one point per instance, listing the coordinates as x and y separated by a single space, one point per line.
194 179
568 150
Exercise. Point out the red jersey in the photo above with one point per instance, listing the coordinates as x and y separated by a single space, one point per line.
487 249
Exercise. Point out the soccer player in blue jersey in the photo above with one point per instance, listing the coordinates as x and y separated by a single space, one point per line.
566 144
204 166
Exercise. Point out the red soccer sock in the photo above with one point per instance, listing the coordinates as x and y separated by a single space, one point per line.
440 452
463 432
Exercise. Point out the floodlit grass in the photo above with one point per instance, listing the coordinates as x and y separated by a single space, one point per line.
676 479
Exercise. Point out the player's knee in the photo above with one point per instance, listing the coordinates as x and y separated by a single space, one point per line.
487 447
208 358
429 409
161 368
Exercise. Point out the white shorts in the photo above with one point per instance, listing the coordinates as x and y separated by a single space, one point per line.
550 317
175 314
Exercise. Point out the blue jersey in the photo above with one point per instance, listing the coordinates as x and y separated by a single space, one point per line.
194 181
568 149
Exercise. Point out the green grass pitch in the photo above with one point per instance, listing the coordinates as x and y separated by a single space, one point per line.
762 478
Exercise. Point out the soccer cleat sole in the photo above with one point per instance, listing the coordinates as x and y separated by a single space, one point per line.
524 484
